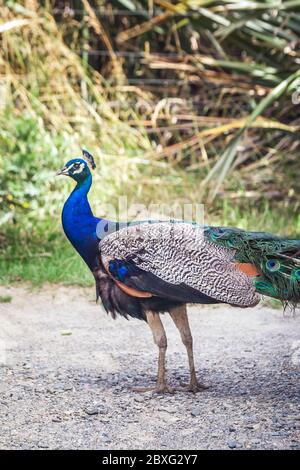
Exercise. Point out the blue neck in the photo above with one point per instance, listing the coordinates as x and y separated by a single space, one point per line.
80 224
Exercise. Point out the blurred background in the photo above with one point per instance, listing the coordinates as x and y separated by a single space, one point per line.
187 101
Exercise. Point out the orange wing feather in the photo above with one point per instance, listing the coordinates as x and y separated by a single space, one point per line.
249 269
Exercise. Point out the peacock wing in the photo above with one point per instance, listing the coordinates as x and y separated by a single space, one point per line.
176 260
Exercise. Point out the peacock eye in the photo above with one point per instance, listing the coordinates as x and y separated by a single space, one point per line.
76 165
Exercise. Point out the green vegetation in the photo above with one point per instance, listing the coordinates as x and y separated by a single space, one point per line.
204 110
5 299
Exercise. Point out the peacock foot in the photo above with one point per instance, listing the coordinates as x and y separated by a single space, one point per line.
158 388
194 387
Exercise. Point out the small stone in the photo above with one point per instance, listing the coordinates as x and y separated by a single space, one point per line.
56 419
92 411
104 420
232 429
232 444
148 395
195 412
167 410
139 399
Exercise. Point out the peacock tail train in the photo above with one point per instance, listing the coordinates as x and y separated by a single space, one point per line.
277 259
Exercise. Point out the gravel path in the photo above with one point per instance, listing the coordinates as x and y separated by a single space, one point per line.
66 372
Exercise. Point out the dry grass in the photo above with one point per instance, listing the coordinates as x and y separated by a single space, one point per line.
233 65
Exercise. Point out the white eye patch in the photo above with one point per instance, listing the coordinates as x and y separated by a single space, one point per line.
79 170
70 167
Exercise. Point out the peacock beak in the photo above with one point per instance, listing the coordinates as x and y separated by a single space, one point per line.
63 171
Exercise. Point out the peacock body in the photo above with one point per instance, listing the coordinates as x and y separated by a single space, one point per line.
149 267
177 262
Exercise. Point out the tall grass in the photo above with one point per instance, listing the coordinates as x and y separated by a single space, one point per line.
52 104
186 101
234 67
209 63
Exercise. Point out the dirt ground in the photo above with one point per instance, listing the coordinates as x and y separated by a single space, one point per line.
67 372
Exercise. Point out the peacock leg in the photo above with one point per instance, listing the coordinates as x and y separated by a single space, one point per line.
160 339
180 318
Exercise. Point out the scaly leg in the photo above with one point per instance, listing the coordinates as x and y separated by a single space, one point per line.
180 318
160 339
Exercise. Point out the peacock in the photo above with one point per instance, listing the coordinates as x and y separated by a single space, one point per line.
143 269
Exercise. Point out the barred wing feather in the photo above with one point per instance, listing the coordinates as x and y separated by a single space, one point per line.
180 256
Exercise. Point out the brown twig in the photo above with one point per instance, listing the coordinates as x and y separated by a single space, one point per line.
100 31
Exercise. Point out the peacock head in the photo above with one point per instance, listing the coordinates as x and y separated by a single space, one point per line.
77 168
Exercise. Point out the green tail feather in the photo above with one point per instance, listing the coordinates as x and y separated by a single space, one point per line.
277 258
